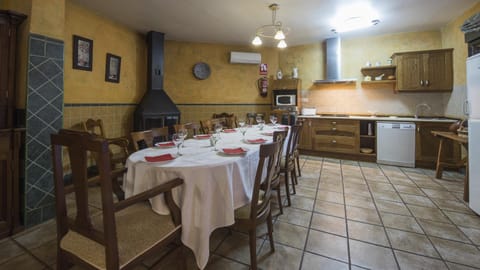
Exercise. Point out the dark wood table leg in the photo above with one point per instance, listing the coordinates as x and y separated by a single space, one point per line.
439 168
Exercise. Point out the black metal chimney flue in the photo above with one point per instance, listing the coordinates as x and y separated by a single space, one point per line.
156 109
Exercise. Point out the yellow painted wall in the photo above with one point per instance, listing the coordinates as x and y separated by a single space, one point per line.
228 83
108 37
453 37
47 18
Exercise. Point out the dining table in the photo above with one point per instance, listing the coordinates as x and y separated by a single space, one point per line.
218 178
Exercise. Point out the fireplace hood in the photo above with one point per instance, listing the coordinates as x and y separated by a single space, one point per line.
333 61
155 104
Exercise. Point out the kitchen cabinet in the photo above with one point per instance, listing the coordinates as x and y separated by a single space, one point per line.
10 137
305 140
424 71
426 145
335 135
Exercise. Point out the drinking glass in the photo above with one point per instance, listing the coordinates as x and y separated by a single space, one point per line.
215 138
243 130
258 119
273 119
218 128
177 139
184 131
261 123
241 122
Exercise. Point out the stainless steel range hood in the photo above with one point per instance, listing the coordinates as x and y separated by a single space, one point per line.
333 56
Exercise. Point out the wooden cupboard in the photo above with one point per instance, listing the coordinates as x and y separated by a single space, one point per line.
305 140
424 71
10 137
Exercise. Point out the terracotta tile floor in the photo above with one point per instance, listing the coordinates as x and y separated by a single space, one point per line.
345 215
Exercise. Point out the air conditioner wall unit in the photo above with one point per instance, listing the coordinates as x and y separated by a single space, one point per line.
245 58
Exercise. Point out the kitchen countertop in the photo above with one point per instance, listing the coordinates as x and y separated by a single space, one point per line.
382 118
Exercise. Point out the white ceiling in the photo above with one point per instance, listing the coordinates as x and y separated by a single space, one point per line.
235 22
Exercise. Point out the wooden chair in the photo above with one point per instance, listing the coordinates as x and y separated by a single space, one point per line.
297 152
192 128
208 126
229 120
142 139
280 114
123 234
160 135
288 163
258 210
279 136
118 152
118 146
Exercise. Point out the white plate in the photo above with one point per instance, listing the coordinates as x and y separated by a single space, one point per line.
245 150
202 137
165 145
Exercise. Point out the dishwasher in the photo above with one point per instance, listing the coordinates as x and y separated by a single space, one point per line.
396 143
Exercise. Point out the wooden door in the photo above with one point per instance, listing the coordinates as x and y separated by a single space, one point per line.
409 72
305 140
5 183
5 76
439 71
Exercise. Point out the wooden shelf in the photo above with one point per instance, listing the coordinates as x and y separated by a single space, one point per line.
379 82
377 71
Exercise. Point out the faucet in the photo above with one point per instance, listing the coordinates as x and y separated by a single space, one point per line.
420 105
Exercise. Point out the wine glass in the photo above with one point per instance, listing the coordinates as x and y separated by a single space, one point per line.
273 119
258 119
215 138
218 128
184 131
177 139
261 123
243 130
241 122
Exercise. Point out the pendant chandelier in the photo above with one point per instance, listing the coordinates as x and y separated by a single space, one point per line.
274 31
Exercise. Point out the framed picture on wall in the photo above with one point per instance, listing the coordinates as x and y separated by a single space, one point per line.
82 53
112 68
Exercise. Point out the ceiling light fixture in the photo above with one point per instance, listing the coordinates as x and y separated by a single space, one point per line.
354 17
274 31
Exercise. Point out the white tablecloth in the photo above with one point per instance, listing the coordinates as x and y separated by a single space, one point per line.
215 184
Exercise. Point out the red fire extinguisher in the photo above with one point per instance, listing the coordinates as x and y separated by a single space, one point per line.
262 84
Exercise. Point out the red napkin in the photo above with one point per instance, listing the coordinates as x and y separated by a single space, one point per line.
165 144
257 141
164 157
203 136
229 130
238 150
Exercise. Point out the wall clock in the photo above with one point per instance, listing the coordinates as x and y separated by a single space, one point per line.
201 70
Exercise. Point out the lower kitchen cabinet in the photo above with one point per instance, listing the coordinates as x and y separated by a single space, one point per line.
339 136
305 140
426 145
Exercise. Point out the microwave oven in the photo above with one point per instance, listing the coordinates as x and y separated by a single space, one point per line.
285 100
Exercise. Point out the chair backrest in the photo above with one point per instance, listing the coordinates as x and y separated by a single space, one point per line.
78 143
279 136
208 126
292 141
94 127
192 128
142 139
280 116
159 135
229 120
266 168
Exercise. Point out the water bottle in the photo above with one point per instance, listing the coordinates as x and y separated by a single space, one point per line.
370 131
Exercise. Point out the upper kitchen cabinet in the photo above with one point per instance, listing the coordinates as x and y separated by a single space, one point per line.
424 71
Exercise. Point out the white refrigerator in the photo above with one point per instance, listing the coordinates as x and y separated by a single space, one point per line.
473 112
